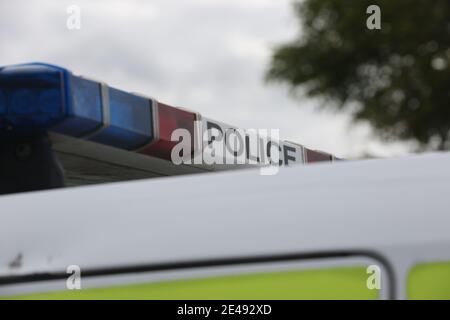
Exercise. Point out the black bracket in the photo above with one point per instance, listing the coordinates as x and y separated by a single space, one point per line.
28 163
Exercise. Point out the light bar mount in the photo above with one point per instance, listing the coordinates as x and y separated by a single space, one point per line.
28 163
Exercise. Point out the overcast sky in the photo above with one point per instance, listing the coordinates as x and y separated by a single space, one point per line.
206 55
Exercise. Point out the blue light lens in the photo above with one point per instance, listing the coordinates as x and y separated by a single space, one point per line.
31 97
87 102
2 103
131 124
84 108
45 97
24 102
49 102
40 96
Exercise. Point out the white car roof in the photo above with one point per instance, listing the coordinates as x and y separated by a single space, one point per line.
366 205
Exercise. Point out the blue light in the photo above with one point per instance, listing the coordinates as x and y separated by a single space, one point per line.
49 102
40 97
130 121
24 102
84 108
2 103
31 97
44 97
87 102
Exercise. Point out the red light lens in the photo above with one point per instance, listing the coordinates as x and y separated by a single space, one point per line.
169 119
316 156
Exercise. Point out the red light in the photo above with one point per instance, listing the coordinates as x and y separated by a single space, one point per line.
317 156
169 118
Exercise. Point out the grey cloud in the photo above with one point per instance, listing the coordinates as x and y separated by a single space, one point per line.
208 57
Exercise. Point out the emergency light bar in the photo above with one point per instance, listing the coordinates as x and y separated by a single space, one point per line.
39 97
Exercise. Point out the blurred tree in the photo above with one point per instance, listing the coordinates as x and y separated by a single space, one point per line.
398 76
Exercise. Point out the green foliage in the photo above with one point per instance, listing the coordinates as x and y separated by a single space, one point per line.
398 77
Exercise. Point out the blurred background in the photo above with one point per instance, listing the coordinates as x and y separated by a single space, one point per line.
308 68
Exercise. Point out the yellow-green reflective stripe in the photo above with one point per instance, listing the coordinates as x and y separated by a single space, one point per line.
336 283
429 281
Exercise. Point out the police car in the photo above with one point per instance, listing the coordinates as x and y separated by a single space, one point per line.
375 229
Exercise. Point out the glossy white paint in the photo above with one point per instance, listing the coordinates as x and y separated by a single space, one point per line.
397 208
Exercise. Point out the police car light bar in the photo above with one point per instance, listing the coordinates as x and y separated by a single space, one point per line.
42 97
